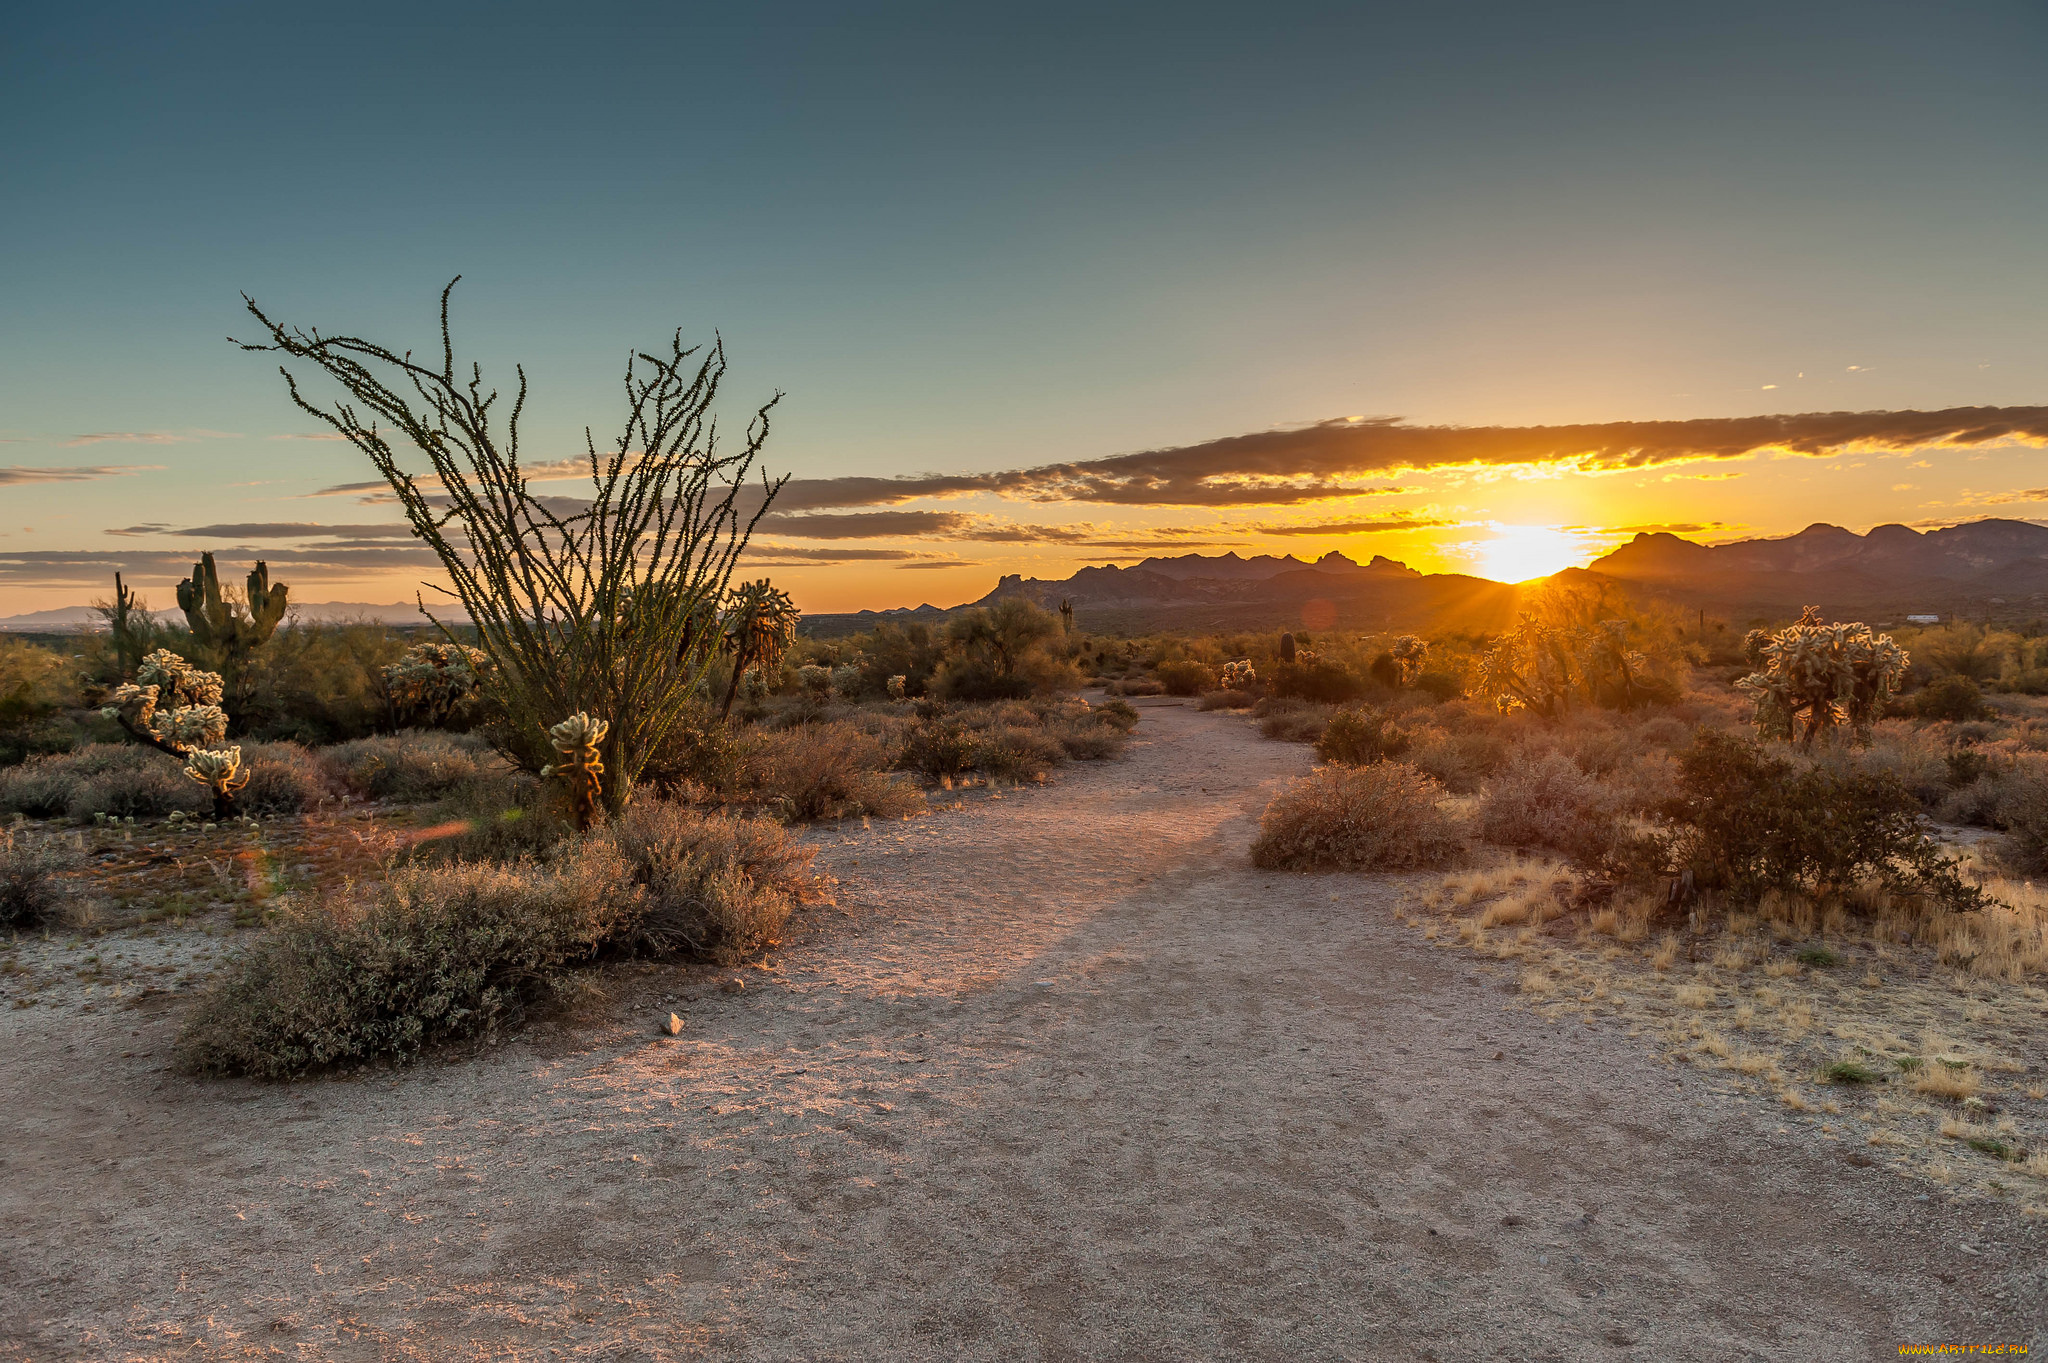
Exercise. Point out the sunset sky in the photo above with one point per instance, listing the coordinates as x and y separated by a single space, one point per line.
1485 287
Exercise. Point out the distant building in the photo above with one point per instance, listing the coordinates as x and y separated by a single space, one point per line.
1923 619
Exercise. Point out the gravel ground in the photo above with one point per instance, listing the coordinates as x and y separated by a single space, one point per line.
1063 1078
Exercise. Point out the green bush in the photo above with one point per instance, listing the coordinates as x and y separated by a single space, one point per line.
409 766
1001 653
1745 821
122 780
1185 677
1226 700
939 749
1320 680
1360 737
1013 752
318 684
435 954
1292 721
1378 818
708 885
284 778
1951 697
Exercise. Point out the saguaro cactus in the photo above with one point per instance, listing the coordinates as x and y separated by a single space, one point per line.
221 626
1066 618
576 739
121 622
1287 648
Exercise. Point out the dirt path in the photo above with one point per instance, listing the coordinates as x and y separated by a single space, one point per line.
1072 1081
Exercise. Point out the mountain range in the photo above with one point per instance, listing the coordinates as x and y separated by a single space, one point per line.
1989 568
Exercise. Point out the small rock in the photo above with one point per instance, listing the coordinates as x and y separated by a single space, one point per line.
732 986
1512 1220
1500 1055
674 1025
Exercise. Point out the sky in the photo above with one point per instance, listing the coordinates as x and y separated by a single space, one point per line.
1479 287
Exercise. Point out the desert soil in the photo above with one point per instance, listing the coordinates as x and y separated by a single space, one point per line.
1063 1077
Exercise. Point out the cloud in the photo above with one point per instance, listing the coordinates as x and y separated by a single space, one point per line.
17 474
310 435
147 437
81 568
1325 460
865 524
791 557
1663 528
275 530
1353 527
2028 494
948 563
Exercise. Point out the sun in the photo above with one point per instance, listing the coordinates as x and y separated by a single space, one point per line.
1517 553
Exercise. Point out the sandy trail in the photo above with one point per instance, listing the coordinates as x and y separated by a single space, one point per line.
1069 1080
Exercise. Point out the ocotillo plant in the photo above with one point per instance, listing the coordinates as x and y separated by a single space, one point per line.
1812 677
175 708
584 606
577 739
221 627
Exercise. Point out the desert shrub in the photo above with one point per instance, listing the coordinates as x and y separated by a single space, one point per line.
701 753
431 955
284 778
501 814
2020 812
1440 686
1950 697
1292 721
1000 652
35 684
1013 752
708 885
412 765
1088 740
1137 686
1120 713
829 771
117 779
1547 801
1461 758
1318 679
1360 737
1225 700
31 894
938 749
1749 822
1381 817
318 684
1185 677
912 651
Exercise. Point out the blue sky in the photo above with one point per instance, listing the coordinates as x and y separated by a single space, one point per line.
970 239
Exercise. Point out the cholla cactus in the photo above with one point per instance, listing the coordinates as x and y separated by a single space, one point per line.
758 627
1813 677
1304 657
434 680
815 680
577 739
175 708
220 771
1238 676
899 687
1408 654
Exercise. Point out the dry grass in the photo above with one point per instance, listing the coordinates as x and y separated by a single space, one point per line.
1890 1041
